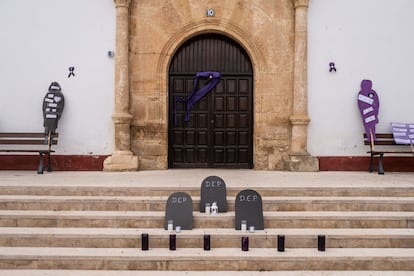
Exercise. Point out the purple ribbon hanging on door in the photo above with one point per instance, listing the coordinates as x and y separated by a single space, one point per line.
196 95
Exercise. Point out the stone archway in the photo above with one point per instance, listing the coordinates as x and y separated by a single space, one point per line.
148 33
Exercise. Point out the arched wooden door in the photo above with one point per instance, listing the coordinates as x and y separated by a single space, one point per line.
219 133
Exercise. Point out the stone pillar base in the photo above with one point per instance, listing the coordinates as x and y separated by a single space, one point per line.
298 162
121 161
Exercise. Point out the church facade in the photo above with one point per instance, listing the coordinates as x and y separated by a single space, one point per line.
256 116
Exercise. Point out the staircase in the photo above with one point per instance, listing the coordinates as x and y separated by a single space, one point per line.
95 222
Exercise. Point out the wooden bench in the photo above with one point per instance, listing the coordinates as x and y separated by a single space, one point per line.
383 140
24 142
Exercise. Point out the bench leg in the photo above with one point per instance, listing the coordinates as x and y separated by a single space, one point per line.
49 164
380 167
371 163
40 168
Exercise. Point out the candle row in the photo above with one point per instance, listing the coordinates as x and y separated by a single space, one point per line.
244 242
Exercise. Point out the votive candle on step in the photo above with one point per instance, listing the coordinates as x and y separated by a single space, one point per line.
207 208
173 242
207 242
144 241
214 208
280 243
245 243
170 226
243 225
321 243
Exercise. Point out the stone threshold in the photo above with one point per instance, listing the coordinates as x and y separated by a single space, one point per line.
51 272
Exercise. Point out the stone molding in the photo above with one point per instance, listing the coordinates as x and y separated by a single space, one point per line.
301 3
122 3
122 118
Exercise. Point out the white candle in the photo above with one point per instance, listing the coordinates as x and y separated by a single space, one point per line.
214 208
244 225
170 225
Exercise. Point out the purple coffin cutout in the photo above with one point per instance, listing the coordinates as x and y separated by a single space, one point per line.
368 104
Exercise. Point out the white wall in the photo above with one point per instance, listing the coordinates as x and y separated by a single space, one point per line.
39 41
367 39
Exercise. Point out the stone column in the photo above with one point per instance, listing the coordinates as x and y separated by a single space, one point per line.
122 158
300 159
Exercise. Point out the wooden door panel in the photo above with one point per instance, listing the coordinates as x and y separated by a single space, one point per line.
231 138
231 120
219 103
243 121
203 138
178 156
231 103
190 155
218 156
231 155
190 138
218 121
243 155
243 103
231 86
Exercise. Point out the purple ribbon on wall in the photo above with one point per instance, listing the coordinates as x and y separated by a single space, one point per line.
196 95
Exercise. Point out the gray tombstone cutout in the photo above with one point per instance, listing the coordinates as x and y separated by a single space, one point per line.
179 209
213 189
249 208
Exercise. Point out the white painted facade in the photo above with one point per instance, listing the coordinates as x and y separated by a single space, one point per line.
40 40
366 39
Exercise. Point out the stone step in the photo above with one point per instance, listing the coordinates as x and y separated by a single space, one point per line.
66 272
122 189
147 219
218 259
220 238
158 203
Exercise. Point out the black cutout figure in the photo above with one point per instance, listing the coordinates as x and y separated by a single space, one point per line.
332 67
53 104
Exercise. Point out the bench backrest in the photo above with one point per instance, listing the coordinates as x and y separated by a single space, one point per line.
383 139
28 138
